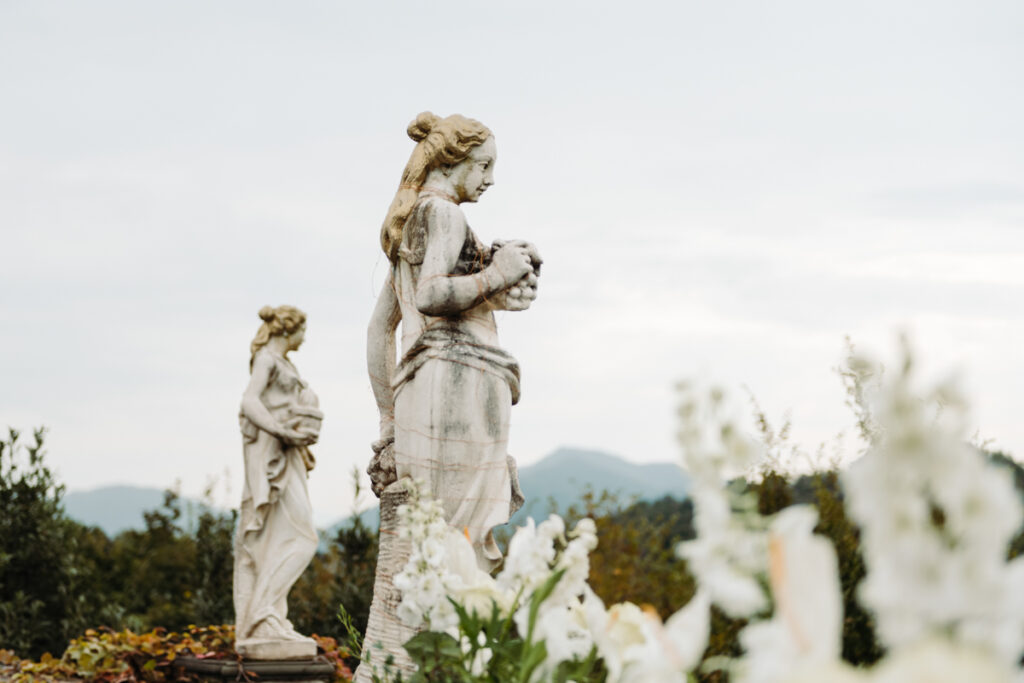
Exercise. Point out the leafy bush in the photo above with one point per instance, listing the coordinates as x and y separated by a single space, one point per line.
39 597
106 656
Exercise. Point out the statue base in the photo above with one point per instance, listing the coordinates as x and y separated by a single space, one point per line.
269 649
309 670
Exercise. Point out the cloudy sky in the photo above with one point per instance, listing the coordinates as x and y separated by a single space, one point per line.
721 190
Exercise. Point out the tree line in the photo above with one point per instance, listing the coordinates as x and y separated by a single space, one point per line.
59 578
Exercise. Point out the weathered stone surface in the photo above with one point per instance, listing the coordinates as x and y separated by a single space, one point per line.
274 649
309 670
385 632
276 538
445 408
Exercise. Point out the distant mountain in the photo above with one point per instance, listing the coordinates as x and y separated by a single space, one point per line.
118 508
561 479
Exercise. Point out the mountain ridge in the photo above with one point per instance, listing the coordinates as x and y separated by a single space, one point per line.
558 480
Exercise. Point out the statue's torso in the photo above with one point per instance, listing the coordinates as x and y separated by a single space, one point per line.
477 322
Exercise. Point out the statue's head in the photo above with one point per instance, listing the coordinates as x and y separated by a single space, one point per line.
459 148
286 321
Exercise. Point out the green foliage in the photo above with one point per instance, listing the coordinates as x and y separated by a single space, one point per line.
635 559
38 599
59 578
165 575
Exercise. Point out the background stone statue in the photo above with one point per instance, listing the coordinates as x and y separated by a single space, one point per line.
444 409
275 539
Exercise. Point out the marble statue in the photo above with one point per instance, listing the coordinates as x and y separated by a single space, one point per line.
275 539
444 408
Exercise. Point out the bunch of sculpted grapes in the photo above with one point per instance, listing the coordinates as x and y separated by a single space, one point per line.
520 295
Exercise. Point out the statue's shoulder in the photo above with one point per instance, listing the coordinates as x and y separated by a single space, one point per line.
431 213
264 358
434 210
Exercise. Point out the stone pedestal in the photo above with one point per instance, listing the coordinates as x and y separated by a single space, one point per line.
272 649
313 670
385 632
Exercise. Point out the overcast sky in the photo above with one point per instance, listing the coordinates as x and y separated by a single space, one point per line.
720 190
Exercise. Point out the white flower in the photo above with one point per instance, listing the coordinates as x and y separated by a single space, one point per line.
941 661
432 551
575 561
410 612
482 656
424 580
687 632
832 672
529 558
470 586
636 646
618 633
935 520
553 527
728 557
804 577
563 628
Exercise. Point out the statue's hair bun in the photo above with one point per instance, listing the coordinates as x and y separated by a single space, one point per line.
267 313
424 123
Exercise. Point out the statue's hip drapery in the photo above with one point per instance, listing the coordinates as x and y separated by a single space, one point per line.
275 539
453 397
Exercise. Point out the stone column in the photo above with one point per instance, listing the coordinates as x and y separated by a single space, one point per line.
385 632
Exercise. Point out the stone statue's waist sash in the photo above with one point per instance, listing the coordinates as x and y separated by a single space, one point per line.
456 346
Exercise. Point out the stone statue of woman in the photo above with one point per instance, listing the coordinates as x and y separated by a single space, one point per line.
275 539
444 410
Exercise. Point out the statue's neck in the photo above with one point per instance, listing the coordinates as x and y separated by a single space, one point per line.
440 184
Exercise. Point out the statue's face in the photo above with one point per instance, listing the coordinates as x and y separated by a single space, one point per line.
473 175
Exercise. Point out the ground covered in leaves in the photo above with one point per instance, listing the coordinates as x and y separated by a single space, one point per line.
123 656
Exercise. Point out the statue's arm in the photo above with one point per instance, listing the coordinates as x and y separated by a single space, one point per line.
257 413
252 406
380 354
438 292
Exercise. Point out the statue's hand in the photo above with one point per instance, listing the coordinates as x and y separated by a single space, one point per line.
294 437
512 261
519 295
382 468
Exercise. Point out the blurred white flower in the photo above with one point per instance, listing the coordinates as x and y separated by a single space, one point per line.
831 672
529 558
470 586
425 581
564 631
531 562
483 654
729 555
939 660
936 519
805 631
636 646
